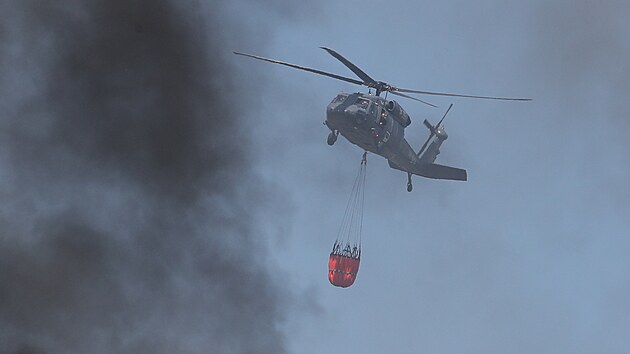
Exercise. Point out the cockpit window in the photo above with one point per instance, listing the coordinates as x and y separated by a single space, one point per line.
363 102
340 98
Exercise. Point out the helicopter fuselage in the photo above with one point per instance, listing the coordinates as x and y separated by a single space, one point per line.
374 124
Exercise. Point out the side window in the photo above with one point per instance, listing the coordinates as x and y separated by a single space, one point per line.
382 119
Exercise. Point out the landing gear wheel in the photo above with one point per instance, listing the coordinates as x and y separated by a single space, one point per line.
409 185
332 138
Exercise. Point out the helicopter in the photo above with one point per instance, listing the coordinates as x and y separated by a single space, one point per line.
377 125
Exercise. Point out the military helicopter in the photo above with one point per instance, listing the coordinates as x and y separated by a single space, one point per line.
377 125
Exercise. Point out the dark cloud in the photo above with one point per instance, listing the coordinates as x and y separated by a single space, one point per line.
125 225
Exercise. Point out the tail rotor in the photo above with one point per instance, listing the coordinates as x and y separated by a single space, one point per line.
433 129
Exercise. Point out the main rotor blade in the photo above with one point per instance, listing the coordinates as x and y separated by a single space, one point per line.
440 122
412 98
334 76
458 95
360 73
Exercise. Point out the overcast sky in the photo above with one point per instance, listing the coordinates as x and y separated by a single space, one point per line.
529 255
163 195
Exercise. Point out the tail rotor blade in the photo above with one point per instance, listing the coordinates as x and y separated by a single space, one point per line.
424 146
429 126
432 129
441 120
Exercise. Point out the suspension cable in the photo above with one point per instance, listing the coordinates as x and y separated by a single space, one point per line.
350 233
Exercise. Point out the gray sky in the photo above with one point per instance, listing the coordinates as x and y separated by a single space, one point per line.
529 255
219 243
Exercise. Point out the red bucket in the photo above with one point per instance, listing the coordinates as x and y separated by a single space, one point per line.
342 270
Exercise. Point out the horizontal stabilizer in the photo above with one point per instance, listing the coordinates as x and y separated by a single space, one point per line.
435 171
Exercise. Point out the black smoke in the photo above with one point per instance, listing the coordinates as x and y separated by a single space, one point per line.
125 223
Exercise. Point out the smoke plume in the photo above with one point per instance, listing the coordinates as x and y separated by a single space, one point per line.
124 222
